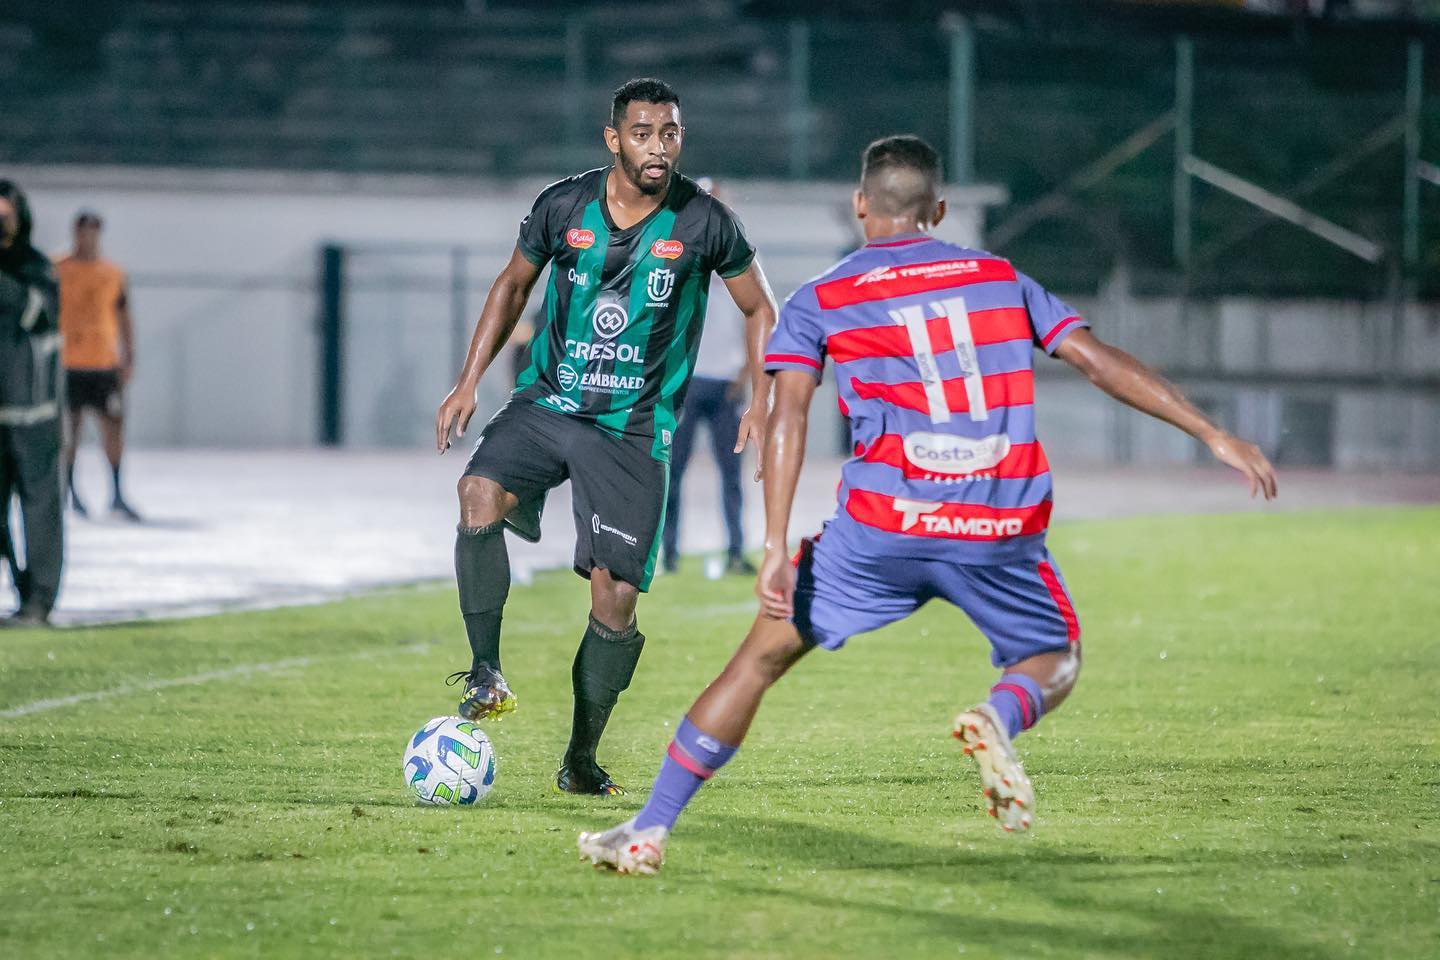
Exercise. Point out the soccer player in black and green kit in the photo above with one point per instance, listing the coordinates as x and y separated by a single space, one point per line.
631 248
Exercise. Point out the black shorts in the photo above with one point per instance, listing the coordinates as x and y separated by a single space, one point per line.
99 389
618 488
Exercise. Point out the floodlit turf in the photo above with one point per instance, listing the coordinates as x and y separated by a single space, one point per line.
1249 768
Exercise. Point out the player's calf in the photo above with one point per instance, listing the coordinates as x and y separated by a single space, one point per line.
482 572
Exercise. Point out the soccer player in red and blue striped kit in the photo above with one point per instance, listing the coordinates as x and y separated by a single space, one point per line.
948 494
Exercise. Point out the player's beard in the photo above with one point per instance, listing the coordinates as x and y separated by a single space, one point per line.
636 175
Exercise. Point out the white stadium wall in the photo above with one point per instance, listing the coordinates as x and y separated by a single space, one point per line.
225 267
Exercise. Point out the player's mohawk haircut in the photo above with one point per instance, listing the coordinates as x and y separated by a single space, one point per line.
639 90
901 174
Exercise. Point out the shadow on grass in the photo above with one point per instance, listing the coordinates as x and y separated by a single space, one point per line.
1175 932
1078 882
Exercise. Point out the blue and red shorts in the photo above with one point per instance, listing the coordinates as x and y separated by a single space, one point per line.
1022 607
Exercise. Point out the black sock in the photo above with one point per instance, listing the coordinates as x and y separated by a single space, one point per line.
482 570
115 478
604 666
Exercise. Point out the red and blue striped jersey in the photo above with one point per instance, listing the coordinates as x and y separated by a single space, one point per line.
932 346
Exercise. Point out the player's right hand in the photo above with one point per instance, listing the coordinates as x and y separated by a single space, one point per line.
1247 458
456 411
775 586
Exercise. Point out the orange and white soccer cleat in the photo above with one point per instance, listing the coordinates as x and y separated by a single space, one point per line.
1008 792
625 849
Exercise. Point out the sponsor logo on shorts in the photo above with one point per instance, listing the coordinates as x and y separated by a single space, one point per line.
579 238
666 436
943 453
600 526
566 376
659 285
610 319
667 249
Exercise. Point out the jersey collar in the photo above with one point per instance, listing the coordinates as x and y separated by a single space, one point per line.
901 240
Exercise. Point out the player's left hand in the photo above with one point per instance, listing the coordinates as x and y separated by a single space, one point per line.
775 586
1247 458
752 427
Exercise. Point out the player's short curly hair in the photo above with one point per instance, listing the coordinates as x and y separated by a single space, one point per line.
916 174
639 90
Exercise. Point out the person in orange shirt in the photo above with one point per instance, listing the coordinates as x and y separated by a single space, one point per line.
99 351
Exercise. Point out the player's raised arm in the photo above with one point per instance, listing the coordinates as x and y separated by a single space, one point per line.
784 454
503 307
1133 383
751 293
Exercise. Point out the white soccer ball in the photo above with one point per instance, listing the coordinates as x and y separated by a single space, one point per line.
449 762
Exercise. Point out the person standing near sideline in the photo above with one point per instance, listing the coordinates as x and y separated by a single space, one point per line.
29 412
717 399
99 352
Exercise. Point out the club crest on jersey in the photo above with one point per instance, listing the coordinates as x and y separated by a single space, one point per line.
610 320
580 238
659 284
667 249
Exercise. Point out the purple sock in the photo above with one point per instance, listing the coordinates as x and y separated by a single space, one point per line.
1019 702
692 759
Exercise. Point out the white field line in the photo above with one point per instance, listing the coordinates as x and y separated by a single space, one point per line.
194 679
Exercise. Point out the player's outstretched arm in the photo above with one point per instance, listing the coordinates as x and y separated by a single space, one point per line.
503 306
751 293
1131 382
784 454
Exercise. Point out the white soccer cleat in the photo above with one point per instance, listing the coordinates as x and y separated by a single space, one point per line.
1008 792
625 849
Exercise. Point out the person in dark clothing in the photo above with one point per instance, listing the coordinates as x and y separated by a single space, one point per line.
30 387
716 398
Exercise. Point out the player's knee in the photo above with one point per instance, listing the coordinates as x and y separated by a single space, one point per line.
613 601
482 502
1066 671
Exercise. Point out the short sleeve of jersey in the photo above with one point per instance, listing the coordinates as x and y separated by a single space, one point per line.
730 250
539 229
1051 319
798 342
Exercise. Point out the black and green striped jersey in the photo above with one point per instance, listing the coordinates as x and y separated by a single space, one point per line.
624 309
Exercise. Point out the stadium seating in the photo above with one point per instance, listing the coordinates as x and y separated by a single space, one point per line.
435 88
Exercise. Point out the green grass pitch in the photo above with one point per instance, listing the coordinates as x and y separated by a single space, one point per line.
1248 768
